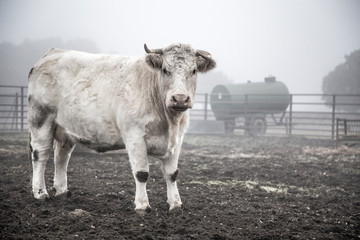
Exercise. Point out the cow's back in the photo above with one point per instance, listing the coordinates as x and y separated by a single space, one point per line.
70 72
80 88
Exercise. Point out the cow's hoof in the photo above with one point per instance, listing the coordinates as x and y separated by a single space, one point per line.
142 212
59 193
41 194
65 194
42 197
177 210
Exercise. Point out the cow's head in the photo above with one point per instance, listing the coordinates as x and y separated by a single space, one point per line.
178 66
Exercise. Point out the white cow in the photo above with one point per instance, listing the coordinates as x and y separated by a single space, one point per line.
109 102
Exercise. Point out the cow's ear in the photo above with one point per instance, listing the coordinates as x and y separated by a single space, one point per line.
154 61
204 61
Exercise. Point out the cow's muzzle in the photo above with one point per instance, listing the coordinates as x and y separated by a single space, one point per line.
180 102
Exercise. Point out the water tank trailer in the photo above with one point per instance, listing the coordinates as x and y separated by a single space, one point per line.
251 101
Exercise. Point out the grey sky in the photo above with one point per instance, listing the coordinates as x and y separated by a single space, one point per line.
298 41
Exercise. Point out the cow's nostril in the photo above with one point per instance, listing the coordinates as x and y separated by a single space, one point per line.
180 100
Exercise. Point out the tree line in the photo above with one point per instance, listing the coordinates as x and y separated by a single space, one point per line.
344 79
17 60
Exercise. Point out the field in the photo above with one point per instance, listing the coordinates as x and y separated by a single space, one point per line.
232 187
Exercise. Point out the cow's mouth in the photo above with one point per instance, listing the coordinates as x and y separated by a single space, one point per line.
179 103
179 108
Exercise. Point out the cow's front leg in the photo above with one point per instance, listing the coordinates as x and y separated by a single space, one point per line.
140 168
170 171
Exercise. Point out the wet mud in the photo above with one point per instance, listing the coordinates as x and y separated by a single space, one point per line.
232 187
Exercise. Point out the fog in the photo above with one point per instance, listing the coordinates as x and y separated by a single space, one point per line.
299 42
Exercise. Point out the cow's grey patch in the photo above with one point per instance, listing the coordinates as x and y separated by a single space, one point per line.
30 147
36 155
100 148
142 176
174 176
38 113
84 141
62 137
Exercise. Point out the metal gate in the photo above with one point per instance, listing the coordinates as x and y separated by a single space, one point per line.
13 108
306 115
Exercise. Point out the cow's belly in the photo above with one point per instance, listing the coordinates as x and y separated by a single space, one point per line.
102 146
96 133
100 143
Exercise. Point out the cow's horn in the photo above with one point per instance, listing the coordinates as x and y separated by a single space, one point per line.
203 54
157 51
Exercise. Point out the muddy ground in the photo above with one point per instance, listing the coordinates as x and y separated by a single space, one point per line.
232 188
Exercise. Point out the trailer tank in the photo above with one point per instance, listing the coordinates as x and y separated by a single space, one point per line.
233 100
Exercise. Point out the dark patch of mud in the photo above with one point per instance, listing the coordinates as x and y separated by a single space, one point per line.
232 188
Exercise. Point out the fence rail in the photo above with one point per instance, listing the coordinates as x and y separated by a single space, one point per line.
306 114
13 108
347 130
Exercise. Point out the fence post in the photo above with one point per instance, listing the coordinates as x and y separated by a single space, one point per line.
22 108
16 111
247 120
337 132
206 106
333 116
290 114
345 127
246 105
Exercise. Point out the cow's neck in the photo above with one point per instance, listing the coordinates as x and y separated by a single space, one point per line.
175 121
154 95
176 124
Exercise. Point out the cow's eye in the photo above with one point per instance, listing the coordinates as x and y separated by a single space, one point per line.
194 71
165 72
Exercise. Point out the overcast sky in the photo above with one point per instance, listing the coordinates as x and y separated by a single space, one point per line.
298 41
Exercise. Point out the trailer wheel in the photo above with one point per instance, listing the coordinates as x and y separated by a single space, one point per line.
229 127
257 125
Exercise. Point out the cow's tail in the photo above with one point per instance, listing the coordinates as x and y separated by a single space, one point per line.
30 149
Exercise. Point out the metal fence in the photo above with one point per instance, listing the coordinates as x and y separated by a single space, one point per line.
13 108
347 130
306 114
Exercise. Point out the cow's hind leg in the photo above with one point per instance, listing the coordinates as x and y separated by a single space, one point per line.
40 148
63 147
41 126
